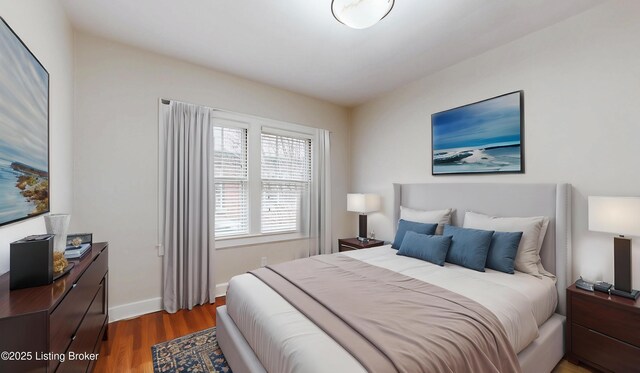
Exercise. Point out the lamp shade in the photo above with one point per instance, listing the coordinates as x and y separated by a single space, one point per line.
360 14
363 203
619 215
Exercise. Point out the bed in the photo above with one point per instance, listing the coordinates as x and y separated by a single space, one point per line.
258 330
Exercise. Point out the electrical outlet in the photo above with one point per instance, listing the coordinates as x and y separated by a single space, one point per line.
263 261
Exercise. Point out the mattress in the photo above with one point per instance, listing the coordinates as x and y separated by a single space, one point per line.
286 341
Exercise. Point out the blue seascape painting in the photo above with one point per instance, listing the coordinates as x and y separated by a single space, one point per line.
24 131
484 137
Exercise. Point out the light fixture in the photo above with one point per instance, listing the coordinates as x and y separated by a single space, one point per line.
620 215
360 14
363 204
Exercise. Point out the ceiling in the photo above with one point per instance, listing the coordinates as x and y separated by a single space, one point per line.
298 45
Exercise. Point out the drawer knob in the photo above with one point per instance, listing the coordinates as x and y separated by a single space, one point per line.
74 285
73 338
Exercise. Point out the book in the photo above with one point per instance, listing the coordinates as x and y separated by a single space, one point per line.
76 252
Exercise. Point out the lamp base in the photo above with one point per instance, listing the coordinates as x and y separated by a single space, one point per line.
362 226
634 294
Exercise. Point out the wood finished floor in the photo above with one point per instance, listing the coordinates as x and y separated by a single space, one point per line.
129 346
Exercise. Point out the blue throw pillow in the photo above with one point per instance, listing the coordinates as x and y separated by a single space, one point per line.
424 247
469 247
405 226
503 250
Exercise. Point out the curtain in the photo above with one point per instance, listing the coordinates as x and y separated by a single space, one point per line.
188 207
321 236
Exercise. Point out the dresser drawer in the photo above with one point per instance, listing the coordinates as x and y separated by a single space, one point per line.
615 322
604 351
66 318
85 339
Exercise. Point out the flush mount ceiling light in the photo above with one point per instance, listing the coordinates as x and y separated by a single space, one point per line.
360 14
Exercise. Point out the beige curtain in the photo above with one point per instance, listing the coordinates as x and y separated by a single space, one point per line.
321 241
188 208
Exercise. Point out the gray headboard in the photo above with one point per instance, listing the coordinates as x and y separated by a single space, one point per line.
551 200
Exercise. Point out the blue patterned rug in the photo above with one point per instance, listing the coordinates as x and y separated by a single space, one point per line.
197 352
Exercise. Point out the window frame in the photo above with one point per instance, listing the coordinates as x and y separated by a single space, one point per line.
237 125
255 126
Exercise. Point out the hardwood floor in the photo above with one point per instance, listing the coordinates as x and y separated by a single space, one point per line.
129 346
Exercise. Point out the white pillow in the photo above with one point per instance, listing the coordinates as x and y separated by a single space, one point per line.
533 231
440 217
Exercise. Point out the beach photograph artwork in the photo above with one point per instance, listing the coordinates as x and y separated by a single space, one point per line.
24 131
484 137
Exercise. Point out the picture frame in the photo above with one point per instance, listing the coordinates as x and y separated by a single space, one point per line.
484 137
24 131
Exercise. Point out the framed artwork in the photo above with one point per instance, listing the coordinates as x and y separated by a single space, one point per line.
479 138
24 131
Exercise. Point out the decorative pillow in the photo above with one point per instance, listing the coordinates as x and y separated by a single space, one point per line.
533 231
421 246
503 251
440 217
469 247
405 226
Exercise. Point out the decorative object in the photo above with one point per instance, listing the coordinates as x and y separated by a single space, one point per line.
59 262
363 204
24 131
31 262
77 239
483 137
360 14
197 352
58 224
64 271
618 215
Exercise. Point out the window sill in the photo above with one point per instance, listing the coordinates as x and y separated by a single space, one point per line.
258 239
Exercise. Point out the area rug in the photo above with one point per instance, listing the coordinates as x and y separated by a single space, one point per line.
197 352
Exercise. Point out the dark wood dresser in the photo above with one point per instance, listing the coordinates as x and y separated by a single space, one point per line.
68 317
603 331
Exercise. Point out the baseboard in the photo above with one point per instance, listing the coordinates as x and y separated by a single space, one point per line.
135 309
221 289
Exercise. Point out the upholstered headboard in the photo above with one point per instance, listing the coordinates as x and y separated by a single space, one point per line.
551 200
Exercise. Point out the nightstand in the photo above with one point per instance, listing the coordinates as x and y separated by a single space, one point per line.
603 331
348 244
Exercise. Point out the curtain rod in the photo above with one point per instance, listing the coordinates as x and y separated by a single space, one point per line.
165 101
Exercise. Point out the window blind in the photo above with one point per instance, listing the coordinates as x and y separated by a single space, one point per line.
231 181
286 178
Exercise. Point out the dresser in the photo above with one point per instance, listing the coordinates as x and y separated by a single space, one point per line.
68 318
603 331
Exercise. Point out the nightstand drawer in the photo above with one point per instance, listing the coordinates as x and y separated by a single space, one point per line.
604 351
612 321
345 247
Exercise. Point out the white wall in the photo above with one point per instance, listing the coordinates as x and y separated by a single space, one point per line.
43 27
115 138
581 82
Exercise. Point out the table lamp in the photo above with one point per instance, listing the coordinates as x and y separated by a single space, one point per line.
619 215
363 204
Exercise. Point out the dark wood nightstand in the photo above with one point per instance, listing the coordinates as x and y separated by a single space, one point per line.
348 244
603 331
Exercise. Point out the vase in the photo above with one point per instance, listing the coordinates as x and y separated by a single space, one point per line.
58 225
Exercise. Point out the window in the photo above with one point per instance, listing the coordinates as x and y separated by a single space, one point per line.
262 180
231 181
286 178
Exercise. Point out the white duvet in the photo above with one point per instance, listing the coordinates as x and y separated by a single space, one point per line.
286 341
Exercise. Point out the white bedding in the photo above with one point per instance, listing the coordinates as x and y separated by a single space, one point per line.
286 341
